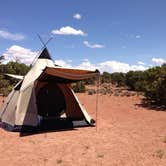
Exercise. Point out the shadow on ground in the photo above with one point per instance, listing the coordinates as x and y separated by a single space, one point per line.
151 106
53 126
47 126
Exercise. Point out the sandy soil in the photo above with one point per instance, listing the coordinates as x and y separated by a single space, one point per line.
127 135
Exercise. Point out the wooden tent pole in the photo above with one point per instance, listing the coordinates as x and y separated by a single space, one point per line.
97 99
44 46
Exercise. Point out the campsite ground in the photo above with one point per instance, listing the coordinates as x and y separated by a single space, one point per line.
126 135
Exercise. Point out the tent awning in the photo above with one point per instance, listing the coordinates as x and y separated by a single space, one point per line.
15 76
67 74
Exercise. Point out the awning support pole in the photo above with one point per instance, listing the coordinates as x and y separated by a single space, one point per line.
97 100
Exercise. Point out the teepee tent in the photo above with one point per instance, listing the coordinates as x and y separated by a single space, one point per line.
45 92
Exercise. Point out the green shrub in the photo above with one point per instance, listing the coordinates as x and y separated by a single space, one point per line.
118 78
91 92
151 82
7 83
79 87
155 89
135 80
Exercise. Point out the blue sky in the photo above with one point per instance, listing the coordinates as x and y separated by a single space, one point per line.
106 34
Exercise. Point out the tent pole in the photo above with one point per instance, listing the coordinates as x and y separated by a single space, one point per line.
97 98
44 46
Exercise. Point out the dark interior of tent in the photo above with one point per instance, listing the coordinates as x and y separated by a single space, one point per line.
52 105
50 101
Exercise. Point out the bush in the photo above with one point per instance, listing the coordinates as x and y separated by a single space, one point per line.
6 83
135 80
106 77
155 89
91 92
150 82
90 81
79 87
118 79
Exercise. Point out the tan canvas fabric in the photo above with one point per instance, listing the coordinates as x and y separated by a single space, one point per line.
86 115
31 116
15 76
4 105
8 109
35 71
20 107
73 74
9 116
72 107
23 104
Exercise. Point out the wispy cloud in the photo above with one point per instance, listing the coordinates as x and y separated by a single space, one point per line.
158 61
11 36
18 53
87 44
141 63
77 16
68 31
134 36
138 36
124 47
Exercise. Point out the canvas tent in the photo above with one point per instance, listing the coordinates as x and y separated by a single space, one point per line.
45 92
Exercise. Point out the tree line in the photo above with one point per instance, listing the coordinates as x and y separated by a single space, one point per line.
7 83
152 82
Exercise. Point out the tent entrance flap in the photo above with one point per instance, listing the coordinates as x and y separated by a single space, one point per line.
50 101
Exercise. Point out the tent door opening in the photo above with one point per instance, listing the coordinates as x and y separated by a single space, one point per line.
50 101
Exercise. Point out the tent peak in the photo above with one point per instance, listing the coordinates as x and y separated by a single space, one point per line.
44 54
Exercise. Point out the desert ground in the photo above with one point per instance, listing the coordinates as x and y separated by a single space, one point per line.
126 135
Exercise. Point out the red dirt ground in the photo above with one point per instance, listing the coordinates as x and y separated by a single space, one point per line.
127 135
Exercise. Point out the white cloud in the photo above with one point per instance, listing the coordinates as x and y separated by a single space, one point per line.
115 66
18 53
141 63
158 61
138 36
63 63
133 36
68 31
11 36
109 66
77 16
87 44
69 61
86 64
26 56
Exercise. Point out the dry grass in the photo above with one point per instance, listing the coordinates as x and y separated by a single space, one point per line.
159 153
